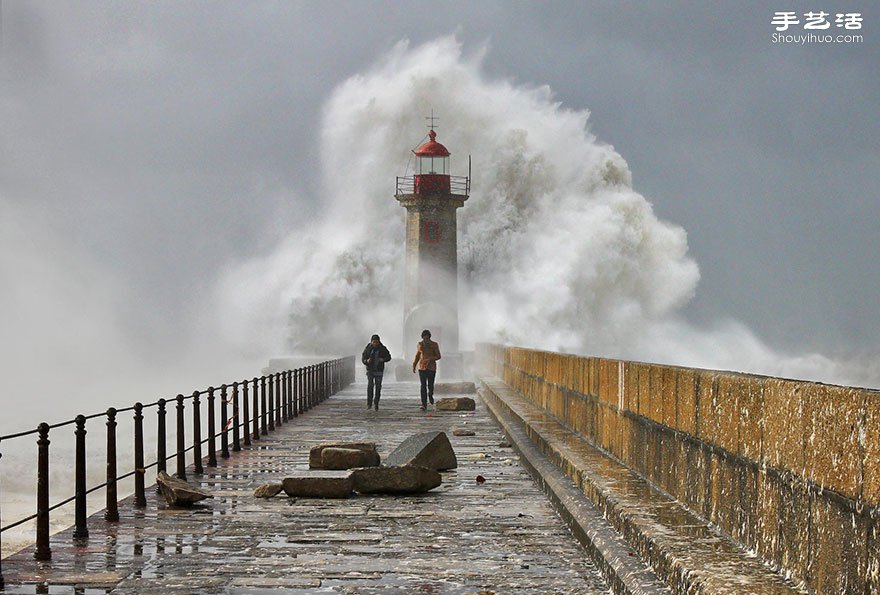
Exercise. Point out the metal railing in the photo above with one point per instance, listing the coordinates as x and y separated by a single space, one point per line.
259 406
457 185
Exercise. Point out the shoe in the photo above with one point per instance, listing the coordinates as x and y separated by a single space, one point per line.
431 399
422 407
377 406
369 406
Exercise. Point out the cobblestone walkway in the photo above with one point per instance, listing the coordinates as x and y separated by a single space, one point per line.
500 536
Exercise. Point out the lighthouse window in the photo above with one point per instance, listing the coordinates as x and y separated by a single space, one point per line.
433 165
432 232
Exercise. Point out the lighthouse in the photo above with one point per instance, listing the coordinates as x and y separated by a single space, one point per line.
431 197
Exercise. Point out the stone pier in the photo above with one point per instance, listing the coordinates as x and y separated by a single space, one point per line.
487 529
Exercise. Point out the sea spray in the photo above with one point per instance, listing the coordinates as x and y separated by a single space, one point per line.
556 249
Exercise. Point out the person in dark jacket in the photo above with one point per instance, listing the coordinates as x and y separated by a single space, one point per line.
374 357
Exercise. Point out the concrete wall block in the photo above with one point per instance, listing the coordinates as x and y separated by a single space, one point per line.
726 509
707 421
644 379
794 523
784 425
655 389
697 477
839 548
686 401
748 527
832 417
750 400
767 533
667 389
873 558
871 450
631 387
726 408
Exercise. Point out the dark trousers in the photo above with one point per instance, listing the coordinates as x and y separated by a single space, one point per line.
373 394
426 377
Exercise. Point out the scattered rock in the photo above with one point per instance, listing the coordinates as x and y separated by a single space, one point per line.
504 444
463 432
315 454
408 479
318 485
456 404
455 388
178 492
431 450
348 458
269 490
481 479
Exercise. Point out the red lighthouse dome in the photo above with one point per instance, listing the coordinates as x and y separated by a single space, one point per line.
432 167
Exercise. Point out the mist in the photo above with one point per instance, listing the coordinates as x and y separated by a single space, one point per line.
557 250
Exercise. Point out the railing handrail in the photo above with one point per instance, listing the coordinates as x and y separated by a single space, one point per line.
290 393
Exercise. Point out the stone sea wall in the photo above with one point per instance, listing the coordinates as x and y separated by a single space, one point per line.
789 469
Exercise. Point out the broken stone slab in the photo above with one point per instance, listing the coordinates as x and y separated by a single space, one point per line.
318 485
269 490
316 452
408 479
430 449
348 458
463 432
455 388
456 404
177 492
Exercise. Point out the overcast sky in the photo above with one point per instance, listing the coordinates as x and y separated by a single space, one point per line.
157 142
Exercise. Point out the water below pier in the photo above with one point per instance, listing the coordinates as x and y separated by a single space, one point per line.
498 536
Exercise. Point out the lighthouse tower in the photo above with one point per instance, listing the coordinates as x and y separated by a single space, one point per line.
431 197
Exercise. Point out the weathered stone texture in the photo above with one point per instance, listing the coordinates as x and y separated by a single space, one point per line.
319 485
316 452
408 479
428 449
832 417
177 492
348 458
269 490
456 404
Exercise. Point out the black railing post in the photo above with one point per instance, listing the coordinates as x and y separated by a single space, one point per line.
283 397
140 497
43 551
263 420
224 419
236 430
279 399
246 422
197 434
111 512
212 429
161 454
288 383
2 583
271 402
294 379
81 530
256 420
181 440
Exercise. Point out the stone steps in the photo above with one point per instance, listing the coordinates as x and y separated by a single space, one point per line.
684 550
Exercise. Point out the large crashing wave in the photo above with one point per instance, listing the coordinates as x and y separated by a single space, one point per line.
556 250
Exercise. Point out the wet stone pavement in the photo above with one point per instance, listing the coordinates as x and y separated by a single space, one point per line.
500 536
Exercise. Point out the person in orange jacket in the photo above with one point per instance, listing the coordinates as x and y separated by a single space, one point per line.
427 354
